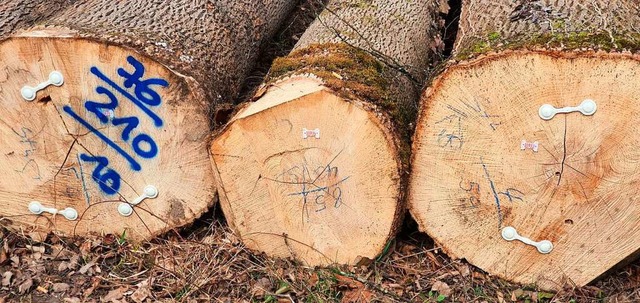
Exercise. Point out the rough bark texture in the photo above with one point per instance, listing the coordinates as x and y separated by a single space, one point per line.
216 42
485 158
18 14
487 25
402 35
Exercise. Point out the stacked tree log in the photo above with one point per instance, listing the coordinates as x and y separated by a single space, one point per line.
122 115
492 162
315 167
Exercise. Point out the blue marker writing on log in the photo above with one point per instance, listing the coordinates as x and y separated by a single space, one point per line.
142 144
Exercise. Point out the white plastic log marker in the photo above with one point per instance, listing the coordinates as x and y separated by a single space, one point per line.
587 107
37 208
29 93
126 209
544 247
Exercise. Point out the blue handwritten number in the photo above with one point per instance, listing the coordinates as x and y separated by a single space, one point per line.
142 87
96 107
131 122
157 121
109 181
143 144
153 147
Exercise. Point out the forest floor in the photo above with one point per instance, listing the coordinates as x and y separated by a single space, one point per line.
207 263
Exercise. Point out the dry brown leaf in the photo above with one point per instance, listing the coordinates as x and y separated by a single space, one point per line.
114 294
442 288
464 270
346 282
25 286
143 291
4 253
353 291
60 287
38 236
261 287
357 296
313 280
85 269
15 261
6 278
57 251
479 276
94 283
363 261
85 248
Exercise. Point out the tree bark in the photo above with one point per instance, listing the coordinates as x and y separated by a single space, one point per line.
339 109
558 24
131 120
18 14
487 155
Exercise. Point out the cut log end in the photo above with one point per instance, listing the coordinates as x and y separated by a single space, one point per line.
87 127
304 173
485 159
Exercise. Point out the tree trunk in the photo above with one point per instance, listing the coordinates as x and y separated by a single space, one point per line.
131 120
18 14
314 169
488 155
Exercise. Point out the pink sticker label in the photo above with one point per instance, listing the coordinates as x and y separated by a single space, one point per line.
531 145
306 133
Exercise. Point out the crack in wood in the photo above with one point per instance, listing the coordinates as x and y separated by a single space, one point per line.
564 151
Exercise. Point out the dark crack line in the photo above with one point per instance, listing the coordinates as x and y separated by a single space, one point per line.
564 151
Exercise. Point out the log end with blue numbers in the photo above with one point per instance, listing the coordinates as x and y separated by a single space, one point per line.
87 136
105 117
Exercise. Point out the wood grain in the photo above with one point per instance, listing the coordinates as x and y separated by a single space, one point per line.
471 178
337 198
140 81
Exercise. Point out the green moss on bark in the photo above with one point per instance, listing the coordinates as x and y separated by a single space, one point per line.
560 40
355 75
